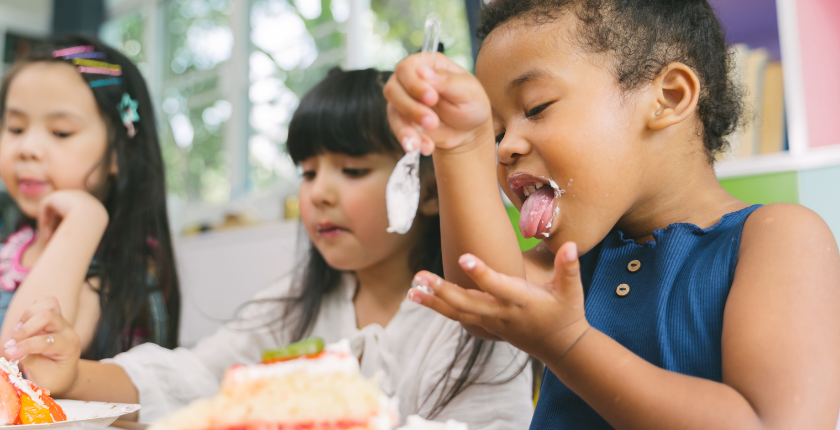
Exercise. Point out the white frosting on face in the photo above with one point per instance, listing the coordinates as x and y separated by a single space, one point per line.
402 194
337 358
11 369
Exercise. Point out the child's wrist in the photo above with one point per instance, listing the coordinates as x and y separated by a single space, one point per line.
94 215
477 140
562 342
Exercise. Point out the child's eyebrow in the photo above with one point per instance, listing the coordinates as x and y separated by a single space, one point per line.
63 115
525 77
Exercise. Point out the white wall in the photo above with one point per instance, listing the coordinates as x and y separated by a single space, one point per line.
26 17
219 271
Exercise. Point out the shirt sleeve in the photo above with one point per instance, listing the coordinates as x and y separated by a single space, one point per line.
167 380
501 397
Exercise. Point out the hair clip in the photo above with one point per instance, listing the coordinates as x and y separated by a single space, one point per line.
99 71
73 50
105 82
96 64
128 113
94 54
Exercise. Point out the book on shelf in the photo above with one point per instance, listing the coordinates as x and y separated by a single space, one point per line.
762 83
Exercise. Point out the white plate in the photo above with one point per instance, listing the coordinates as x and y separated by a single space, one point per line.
95 414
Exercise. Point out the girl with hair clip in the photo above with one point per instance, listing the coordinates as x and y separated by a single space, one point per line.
352 285
79 154
656 300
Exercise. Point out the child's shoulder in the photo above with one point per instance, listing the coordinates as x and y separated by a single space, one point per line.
782 225
784 242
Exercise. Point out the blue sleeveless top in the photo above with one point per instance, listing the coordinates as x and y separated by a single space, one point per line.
663 300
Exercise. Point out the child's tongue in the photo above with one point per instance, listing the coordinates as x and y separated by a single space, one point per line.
537 212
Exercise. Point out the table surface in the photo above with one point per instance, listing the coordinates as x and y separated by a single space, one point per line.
128 425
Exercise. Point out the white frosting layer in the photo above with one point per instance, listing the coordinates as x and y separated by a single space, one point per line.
11 369
414 422
337 358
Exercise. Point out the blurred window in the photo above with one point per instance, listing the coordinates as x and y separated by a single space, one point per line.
227 75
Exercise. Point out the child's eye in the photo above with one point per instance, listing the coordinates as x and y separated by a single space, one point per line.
537 110
308 175
62 134
356 173
15 130
499 138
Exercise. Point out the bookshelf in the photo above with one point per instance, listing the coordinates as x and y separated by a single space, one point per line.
805 36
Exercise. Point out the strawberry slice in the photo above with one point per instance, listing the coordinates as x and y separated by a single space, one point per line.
55 410
9 402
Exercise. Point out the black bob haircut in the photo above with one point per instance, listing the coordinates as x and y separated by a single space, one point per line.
344 114
643 37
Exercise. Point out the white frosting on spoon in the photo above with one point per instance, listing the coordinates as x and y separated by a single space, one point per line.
402 195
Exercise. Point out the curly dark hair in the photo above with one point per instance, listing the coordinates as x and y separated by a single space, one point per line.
643 37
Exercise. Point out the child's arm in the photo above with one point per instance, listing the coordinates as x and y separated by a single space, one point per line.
455 112
56 365
71 223
781 358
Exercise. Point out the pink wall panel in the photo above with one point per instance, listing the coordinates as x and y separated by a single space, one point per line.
819 29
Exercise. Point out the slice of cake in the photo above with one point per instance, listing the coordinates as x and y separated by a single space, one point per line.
22 402
300 387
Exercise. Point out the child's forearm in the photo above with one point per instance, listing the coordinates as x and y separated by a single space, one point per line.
101 382
61 269
472 216
631 393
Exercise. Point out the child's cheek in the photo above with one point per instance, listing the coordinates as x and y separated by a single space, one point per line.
365 209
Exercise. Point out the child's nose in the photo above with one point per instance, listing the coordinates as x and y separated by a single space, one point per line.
511 147
30 147
323 191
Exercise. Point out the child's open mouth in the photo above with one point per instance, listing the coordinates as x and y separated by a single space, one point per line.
538 204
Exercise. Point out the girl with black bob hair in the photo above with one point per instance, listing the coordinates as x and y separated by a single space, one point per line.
81 158
352 285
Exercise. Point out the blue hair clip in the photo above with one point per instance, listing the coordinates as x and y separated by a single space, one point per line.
128 113
105 82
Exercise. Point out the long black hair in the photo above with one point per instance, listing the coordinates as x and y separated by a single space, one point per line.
345 114
134 261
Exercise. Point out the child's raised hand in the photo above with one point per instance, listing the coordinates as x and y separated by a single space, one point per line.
59 204
46 345
542 320
446 100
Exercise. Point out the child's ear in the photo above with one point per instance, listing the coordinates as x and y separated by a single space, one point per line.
677 90
429 204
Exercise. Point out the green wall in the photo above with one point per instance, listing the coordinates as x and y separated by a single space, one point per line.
524 244
764 189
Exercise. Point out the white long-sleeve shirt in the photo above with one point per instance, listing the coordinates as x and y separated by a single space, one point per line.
413 352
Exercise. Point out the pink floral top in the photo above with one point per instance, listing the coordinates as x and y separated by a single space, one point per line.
11 271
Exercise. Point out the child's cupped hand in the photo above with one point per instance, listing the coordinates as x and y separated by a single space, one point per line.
60 204
542 320
447 101
46 345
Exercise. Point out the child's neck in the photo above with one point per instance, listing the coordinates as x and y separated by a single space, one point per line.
382 289
690 194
